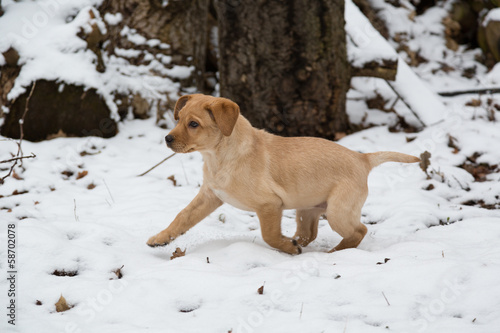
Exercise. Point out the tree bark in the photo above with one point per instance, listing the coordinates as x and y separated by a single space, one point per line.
181 24
285 63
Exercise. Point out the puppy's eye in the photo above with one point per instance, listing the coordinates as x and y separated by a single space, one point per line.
193 124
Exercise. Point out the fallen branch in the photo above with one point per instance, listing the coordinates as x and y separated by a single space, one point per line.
386 70
472 91
166 158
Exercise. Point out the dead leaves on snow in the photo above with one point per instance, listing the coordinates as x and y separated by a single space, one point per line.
118 272
178 253
62 305
260 291
425 162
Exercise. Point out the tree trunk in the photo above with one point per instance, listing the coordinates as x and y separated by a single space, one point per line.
181 24
285 63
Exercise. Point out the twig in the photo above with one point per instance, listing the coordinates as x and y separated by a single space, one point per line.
405 103
166 158
386 299
301 308
76 216
21 121
18 158
111 195
472 91
19 155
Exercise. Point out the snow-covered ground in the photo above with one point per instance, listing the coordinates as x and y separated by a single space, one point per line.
430 261
440 278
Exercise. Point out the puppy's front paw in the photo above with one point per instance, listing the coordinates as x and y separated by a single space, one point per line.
298 249
159 240
290 246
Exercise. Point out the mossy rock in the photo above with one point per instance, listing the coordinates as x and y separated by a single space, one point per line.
57 109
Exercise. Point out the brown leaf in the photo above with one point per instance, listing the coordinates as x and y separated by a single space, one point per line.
16 176
172 178
178 253
118 272
38 302
430 187
474 102
64 273
67 173
260 291
425 161
91 186
82 174
61 305
16 192
410 139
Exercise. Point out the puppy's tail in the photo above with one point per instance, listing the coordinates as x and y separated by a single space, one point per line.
380 157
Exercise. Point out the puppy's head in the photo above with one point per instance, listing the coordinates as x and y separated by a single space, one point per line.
202 122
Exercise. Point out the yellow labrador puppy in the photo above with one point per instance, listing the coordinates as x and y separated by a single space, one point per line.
257 171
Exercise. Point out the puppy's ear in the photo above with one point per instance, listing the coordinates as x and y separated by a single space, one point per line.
225 114
181 102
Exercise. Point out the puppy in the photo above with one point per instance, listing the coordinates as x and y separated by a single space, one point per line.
257 171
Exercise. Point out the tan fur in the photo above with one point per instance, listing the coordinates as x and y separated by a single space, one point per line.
257 171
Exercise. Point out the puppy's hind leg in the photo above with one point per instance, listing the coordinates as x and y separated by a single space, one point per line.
344 214
307 225
270 225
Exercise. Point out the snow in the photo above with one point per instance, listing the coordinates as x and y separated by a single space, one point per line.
493 15
438 278
113 19
365 44
424 103
443 255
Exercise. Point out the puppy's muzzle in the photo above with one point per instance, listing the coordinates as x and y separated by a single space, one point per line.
169 139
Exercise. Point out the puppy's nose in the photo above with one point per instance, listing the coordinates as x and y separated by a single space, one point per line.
169 138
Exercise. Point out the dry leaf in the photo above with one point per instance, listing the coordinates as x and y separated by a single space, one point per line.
82 174
178 253
91 186
410 139
118 272
16 192
172 178
67 173
16 176
473 102
424 161
38 302
260 291
64 273
61 305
